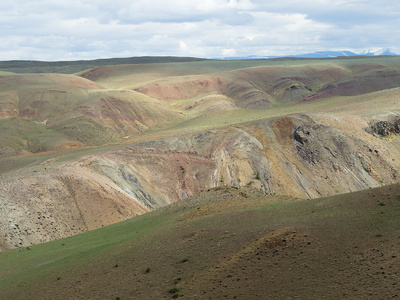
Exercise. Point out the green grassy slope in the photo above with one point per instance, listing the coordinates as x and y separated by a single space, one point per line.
70 67
224 243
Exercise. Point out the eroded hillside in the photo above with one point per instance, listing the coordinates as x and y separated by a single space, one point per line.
294 155
80 153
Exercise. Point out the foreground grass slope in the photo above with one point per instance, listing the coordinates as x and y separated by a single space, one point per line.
224 243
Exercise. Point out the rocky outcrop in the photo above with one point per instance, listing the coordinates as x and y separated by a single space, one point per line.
385 128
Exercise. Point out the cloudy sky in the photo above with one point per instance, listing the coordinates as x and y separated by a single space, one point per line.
84 29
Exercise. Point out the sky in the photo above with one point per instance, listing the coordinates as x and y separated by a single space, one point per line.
81 29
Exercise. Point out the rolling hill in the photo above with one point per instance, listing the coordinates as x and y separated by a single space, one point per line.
85 150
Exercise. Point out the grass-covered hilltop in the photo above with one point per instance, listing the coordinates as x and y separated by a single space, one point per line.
165 177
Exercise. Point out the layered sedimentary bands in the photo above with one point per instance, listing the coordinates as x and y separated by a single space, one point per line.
80 153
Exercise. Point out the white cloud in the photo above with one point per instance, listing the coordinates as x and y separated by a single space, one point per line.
83 29
228 52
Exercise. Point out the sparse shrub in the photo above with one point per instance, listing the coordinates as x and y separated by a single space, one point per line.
257 176
173 290
148 270
185 260
177 280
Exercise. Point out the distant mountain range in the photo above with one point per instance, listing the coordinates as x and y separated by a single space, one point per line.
322 54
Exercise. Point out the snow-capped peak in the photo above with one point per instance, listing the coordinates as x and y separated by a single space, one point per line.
376 52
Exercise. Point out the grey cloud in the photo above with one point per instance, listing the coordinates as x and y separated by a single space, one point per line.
180 11
53 30
236 18
338 12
